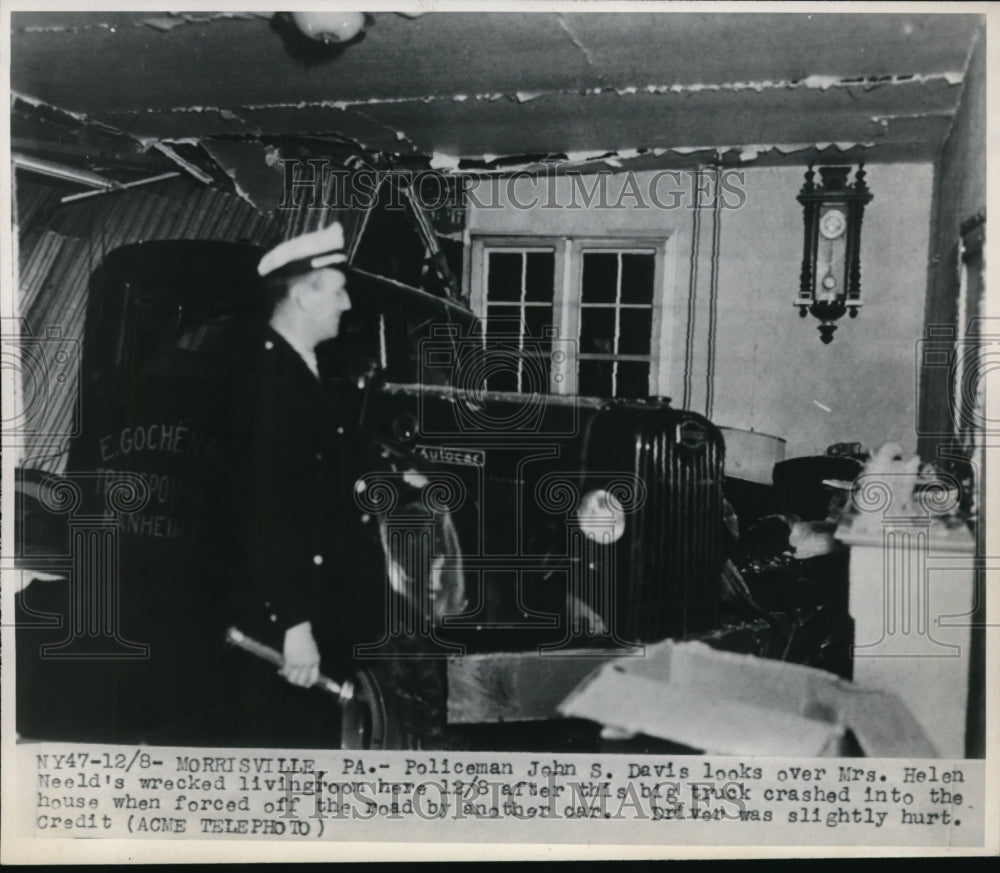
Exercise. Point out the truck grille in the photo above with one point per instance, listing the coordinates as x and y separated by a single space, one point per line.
668 566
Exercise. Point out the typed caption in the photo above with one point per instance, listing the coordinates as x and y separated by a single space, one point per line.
119 792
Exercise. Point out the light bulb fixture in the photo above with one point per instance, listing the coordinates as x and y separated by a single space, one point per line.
330 27
830 281
319 37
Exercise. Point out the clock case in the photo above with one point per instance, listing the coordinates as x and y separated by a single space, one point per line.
834 190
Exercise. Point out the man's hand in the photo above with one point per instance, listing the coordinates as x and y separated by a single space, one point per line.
301 655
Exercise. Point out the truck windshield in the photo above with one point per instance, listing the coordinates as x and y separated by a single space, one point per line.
411 337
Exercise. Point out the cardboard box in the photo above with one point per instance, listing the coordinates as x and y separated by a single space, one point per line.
726 703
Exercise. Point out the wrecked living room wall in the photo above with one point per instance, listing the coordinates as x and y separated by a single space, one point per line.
763 367
960 195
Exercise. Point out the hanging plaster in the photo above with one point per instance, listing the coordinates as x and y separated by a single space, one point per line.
752 152
37 103
821 83
581 156
814 82
941 113
241 193
255 178
62 28
271 155
175 19
401 135
165 22
442 161
187 166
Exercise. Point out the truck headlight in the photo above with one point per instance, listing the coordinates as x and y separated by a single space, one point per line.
601 516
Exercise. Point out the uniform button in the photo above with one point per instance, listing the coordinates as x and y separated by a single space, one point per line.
268 345
273 617
319 456
267 604
365 518
317 559
340 430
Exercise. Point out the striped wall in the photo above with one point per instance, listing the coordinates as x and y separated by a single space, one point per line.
59 245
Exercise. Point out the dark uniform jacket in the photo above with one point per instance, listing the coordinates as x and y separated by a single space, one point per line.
293 518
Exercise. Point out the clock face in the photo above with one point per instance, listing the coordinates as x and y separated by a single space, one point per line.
833 224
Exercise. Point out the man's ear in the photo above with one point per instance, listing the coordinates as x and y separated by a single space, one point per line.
299 290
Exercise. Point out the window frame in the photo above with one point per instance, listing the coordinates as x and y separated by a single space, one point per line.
567 293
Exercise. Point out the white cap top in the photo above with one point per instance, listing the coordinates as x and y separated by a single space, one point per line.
311 251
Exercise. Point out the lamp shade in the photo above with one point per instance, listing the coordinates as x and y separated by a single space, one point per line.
751 456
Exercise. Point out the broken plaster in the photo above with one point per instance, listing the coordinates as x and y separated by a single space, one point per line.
448 162
747 152
442 161
401 135
887 117
821 83
241 192
36 102
170 20
187 166
166 21
65 28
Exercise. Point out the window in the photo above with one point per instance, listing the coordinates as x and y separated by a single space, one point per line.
520 291
603 295
614 340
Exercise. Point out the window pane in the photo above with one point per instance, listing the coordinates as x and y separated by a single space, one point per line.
633 379
637 278
539 276
595 378
536 371
501 363
597 330
504 276
600 277
634 329
503 321
538 320
502 380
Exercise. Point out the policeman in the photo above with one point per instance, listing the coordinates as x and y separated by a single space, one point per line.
290 494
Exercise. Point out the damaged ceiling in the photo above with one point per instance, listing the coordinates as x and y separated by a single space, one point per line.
656 89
